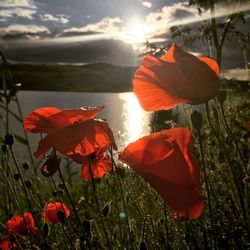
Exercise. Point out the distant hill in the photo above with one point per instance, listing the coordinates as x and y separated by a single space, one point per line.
97 77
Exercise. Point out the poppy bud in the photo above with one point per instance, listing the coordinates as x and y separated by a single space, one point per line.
222 96
28 184
143 246
105 210
247 179
50 166
4 148
12 238
9 139
196 119
60 185
16 176
60 191
26 165
86 226
45 230
54 193
61 216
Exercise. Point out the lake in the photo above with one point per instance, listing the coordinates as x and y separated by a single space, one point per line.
122 111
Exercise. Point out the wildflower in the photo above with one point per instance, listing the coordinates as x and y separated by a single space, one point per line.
6 243
50 119
22 225
100 163
165 160
176 77
51 210
75 134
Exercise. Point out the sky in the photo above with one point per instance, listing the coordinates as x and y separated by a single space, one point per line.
87 31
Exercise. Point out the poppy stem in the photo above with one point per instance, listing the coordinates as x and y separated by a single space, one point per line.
236 182
207 187
97 203
233 137
69 197
26 193
123 199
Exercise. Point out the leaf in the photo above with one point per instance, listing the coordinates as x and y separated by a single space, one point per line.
21 139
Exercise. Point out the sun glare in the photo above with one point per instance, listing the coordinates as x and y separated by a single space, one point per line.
136 33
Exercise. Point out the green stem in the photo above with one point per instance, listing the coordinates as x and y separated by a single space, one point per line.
97 204
123 199
207 187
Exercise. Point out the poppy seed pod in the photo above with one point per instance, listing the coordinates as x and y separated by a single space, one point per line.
176 77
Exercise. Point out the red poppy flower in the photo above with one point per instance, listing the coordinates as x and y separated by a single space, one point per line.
176 77
73 133
22 225
51 209
5 243
100 164
165 160
50 119
247 125
81 138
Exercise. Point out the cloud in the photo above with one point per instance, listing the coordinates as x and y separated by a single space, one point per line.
57 18
106 25
147 4
20 12
168 16
18 29
17 8
18 3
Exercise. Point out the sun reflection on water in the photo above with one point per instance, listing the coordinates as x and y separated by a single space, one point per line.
136 121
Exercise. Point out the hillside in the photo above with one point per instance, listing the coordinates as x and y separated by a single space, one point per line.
98 77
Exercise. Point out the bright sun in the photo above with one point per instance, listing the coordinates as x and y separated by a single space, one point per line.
136 33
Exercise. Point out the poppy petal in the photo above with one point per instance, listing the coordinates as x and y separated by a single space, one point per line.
49 214
174 78
99 167
147 87
45 120
160 155
50 119
82 114
212 64
83 137
186 202
165 160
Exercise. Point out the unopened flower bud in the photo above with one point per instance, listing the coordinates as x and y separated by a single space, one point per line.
28 184
12 238
4 148
61 216
86 226
247 179
105 210
26 165
9 139
45 230
222 96
16 176
50 166
143 246
197 120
